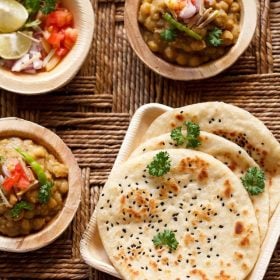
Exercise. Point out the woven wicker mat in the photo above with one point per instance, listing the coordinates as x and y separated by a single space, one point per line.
92 113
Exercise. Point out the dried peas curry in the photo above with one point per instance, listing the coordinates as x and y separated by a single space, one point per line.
190 32
33 187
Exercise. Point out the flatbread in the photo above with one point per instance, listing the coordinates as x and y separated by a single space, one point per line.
235 124
225 151
200 200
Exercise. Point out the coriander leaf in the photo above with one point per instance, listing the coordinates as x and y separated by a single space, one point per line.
160 165
48 6
168 35
17 209
45 192
193 132
166 238
191 139
32 6
254 181
214 37
177 136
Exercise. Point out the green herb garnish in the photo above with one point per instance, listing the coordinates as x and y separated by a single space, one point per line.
48 6
45 192
34 6
214 37
168 35
160 165
254 181
166 238
191 139
19 207
181 27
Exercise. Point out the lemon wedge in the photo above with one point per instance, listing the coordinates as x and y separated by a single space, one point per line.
14 45
13 15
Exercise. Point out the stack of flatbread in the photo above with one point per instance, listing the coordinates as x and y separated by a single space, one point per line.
173 211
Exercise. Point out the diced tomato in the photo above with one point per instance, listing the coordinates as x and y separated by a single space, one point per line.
18 179
59 18
22 183
56 39
61 52
71 36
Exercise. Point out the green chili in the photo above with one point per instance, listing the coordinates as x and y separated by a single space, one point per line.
173 22
36 167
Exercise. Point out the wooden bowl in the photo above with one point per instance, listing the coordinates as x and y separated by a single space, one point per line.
248 23
13 127
68 67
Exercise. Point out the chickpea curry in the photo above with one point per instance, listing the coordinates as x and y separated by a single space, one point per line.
33 187
190 32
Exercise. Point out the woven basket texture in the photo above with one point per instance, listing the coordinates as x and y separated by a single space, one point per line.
92 113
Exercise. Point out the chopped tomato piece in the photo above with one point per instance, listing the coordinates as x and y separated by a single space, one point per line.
22 183
59 18
18 179
56 39
71 35
61 52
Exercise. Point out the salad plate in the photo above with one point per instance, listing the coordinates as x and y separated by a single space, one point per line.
46 81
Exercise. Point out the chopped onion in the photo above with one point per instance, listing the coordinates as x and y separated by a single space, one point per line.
3 199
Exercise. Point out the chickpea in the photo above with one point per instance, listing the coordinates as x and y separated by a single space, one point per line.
221 19
38 223
63 187
222 6
229 24
29 214
227 38
194 61
25 226
57 169
170 53
235 7
145 9
39 152
235 32
32 196
52 203
182 59
154 47
198 45
57 197
155 16
150 24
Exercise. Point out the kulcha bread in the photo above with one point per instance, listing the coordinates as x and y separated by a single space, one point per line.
200 201
225 151
235 124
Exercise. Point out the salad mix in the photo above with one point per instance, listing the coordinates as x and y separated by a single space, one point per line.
35 35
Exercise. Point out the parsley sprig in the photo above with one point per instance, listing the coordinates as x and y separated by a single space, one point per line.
168 34
160 165
45 192
254 181
167 238
214 37
19 207
191 140
34 6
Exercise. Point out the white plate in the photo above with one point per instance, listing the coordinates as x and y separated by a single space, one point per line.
91 246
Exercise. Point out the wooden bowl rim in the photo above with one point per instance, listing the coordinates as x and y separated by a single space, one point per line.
248 24
14 127
65 71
